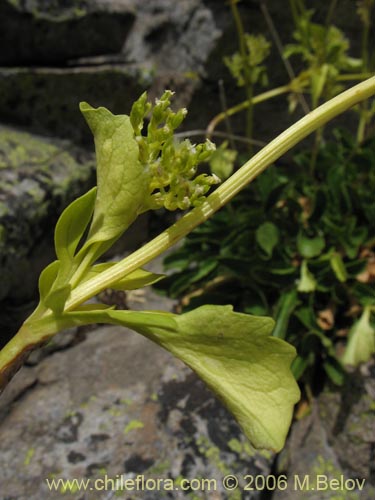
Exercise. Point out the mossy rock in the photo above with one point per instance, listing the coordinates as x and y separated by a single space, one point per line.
38 178
53 32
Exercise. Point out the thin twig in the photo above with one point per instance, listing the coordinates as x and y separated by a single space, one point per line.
217 133
279 45
224 107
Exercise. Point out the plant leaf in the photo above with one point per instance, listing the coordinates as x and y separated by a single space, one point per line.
285 307
222 161
137 279
310 247
122 182
361 345
47 279
235 354
131 319
307 282
338 267
247 368
72 224
267 236
52 295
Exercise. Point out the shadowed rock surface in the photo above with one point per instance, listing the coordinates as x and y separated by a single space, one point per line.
38 178
336 441
54 32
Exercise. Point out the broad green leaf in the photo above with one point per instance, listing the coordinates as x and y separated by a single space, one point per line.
338 267
137 279
361 344
310 247
247 368
307 282
72 224
235 354
47 279
267 236
122 181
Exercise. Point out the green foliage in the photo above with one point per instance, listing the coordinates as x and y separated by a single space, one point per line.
324 50
364 8
71 225
222 161
361 344
257 49
291 246
233 353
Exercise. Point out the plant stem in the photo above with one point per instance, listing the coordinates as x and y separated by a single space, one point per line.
247 70
365 67
280 49
16 351
245 104
251 169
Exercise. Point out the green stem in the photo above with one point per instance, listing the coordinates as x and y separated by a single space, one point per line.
294 11
251 169
17 349
245 104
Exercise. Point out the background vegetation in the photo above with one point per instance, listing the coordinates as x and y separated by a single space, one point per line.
298 244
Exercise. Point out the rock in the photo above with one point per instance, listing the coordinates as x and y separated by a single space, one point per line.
172 36
39 177
39 32
114 49
117 406
167 45
47 100
335 442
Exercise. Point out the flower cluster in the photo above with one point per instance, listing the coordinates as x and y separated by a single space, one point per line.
171 165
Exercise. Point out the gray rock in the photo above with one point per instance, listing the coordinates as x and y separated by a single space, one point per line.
172 36
167 46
